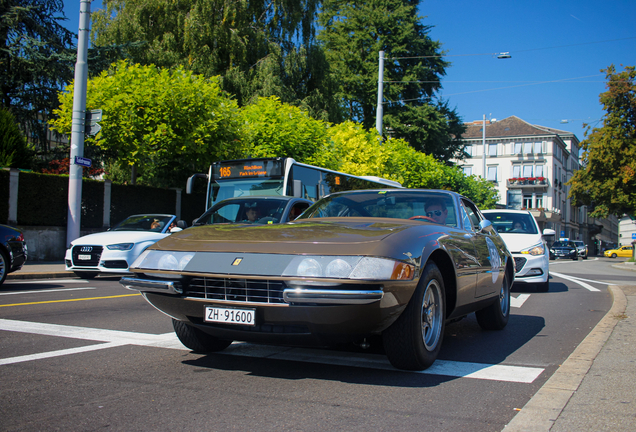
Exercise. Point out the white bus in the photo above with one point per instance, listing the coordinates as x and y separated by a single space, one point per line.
279 177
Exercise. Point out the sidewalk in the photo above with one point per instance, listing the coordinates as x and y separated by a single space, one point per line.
594 389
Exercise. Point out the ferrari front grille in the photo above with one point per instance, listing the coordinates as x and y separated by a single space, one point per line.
237 290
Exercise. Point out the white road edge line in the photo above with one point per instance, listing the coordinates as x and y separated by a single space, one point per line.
114 338
47 291
575 280
48 281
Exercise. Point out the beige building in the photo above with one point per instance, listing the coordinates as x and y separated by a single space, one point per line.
530 166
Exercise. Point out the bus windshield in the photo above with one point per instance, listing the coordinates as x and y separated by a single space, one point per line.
223 189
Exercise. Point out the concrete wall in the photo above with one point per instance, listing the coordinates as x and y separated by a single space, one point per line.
47 243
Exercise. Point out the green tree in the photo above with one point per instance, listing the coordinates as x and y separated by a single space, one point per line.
271 128
259 48
36 61
607 181
353 34
14 151
165 124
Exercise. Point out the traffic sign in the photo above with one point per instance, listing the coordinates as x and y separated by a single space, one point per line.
85 162
93 128
92 117
634 236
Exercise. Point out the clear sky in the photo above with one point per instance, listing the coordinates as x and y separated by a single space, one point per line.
557 48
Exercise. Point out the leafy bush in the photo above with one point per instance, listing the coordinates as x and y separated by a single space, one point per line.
14 151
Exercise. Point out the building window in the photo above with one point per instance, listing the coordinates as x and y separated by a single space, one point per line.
527 170
469 150
468 170
492 149
492 173
538 171
538 148
527 148
539 199
516 171
518 148
527 201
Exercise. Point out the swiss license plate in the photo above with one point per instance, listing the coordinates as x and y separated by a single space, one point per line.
230 315
84 257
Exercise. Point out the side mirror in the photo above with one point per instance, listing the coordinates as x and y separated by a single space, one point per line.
483 225
549 232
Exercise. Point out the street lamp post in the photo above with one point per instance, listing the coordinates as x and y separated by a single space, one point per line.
379 111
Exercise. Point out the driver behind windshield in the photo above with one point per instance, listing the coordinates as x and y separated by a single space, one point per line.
251 213
436 210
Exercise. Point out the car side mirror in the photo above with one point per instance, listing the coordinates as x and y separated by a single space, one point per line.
483 225
549 232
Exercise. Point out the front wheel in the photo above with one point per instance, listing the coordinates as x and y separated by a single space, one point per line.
4 266
495 316
413 341
613 255
198 340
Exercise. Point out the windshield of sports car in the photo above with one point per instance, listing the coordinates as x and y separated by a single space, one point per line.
150 222
512 223
252 211
434 207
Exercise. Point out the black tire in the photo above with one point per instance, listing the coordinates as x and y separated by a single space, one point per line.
198 340
495 316
613 255
584 256
413 341
85 275
5 266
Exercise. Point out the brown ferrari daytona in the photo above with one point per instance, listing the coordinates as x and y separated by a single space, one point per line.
392 264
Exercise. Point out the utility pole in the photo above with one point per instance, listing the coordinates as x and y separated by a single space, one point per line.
379 111
483 140
78 127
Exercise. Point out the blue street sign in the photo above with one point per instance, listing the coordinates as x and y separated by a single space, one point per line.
633 236
85 162
562 233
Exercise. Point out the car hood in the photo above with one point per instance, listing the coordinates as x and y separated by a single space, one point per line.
113 237
329 236
519 242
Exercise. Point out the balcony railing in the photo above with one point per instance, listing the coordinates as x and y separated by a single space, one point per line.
528 182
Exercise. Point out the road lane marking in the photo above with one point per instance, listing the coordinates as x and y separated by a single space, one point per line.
575 280
518 301
47 291
590 280
69 300
58 353
114 338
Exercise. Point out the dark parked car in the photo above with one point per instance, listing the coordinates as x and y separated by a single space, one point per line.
391 265
13 251
564 249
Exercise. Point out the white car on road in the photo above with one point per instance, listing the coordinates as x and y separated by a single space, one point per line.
524 240
114 250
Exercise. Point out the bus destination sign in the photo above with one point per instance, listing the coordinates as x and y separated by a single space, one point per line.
247 169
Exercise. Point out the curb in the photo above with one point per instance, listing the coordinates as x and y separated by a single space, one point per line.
545 407
41 275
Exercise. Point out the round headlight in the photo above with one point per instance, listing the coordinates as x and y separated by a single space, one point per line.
338 268
309 267
168 262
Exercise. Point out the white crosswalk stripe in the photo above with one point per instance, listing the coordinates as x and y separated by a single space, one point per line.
114 338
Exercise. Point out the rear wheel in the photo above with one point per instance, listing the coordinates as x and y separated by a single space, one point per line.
495 316
413 341
4 266
85 275
198 340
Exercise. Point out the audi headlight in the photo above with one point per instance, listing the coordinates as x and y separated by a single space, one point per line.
346 267
538 249
120 246
162 260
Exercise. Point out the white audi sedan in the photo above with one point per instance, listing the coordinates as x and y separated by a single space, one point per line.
114 250
521 233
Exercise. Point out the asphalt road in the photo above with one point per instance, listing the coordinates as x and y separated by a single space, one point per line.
87 355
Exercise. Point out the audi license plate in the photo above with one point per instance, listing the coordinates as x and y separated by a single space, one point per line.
84 257
230 315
